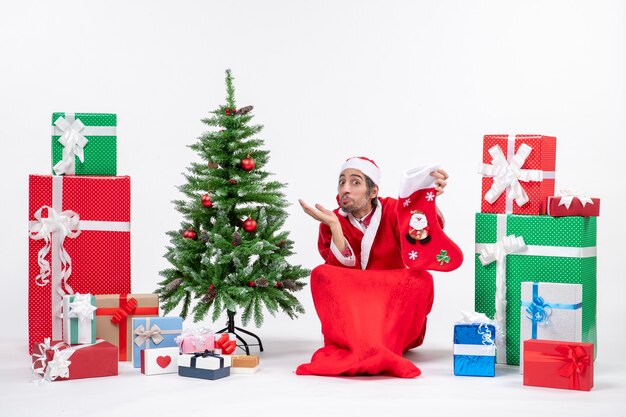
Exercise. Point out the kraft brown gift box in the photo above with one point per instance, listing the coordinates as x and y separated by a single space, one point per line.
244 361
114 316
244 364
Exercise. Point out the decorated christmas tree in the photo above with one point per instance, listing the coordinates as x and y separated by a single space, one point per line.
231 254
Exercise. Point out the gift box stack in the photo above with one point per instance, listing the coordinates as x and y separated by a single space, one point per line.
535 262
208 355
79 225
79 251
82 317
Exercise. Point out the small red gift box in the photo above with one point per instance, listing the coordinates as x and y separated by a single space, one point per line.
58 361
570 204
558 364
79 242
518 173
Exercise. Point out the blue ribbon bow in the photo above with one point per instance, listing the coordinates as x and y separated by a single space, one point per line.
538 311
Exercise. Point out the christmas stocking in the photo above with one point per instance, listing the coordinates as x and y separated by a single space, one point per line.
423 243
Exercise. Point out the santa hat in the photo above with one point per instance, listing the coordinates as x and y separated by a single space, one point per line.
365 165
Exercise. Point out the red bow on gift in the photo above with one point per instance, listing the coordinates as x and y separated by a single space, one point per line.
227 345
576 362
123 312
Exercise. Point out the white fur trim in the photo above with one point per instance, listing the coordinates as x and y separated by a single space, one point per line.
366 167
370 234
417 179
346 261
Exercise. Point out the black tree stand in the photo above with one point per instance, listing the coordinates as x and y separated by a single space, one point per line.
231 328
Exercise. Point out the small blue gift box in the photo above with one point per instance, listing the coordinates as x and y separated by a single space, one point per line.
474 349
154 332
205 365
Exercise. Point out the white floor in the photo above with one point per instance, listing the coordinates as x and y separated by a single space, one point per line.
277 391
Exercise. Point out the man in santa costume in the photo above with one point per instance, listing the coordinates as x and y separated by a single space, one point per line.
373 292
363 232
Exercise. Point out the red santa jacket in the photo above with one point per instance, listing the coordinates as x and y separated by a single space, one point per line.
377 248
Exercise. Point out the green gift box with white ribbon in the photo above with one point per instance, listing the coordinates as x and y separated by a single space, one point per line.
84 144
79 319
511 249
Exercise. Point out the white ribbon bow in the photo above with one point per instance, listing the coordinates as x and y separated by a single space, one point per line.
58 367
81 307
65 224
199 336
508 175
73 143
41 358
498 252
567 196
481 319
154 333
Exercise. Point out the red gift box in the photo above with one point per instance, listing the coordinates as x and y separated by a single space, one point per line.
573 205
58 361
79 242
518 173
558 364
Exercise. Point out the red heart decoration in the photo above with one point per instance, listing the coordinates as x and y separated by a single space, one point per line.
163 361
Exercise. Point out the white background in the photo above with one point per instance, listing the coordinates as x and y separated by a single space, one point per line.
405 83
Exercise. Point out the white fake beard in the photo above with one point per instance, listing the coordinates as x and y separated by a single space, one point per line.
418 224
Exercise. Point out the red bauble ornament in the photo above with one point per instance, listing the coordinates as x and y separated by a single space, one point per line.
211 286
227 111
278 284
248 163
206 201
249 225
251 284
190 234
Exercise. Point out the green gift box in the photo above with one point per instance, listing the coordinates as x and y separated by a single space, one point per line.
79 319
84 144
511 249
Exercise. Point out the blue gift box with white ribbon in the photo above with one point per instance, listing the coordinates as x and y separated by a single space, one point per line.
550 311
474 349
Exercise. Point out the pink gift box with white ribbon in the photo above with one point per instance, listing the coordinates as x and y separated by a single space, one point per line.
196 340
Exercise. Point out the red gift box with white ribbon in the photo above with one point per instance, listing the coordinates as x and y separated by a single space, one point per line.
79 242
518 173
571 203
558 364
58 361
